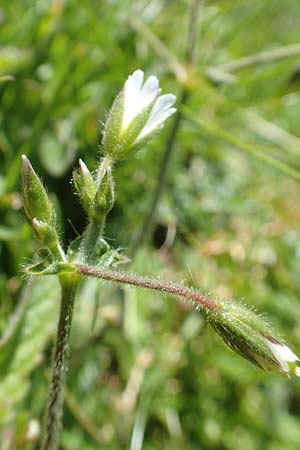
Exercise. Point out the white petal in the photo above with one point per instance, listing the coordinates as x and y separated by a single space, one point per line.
135 80
136 97
283 354
155 121
132 92
157 116
151 85
162 103
160 120
132 88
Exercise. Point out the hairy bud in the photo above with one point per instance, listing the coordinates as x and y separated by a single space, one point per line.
85 186
249 335
36 201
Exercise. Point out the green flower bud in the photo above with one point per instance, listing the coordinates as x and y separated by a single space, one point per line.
249 335
85 186
105 196
137 113
36 201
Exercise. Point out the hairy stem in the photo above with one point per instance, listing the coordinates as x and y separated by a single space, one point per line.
169 148
55 403
205 303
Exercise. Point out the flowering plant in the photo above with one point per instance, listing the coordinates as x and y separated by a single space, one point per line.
138 112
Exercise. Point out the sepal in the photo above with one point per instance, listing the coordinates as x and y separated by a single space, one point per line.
85 186
105 196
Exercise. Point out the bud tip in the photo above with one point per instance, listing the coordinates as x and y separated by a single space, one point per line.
83 166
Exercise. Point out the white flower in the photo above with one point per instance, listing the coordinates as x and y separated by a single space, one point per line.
285 357
137 112
137 97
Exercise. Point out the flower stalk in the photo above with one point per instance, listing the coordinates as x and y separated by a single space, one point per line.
206 304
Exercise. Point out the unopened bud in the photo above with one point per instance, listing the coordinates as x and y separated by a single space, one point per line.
85 186
249 335
105 196
36 201
137 113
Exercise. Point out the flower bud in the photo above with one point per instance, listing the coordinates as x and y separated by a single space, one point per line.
85 186
249 335
36 201
105 196
137 113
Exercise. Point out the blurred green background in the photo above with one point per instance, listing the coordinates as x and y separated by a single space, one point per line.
145 371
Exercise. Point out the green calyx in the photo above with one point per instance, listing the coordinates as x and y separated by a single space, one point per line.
121 144
246 333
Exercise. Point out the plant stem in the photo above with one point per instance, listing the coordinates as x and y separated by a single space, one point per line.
203 302
55 402
169 148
